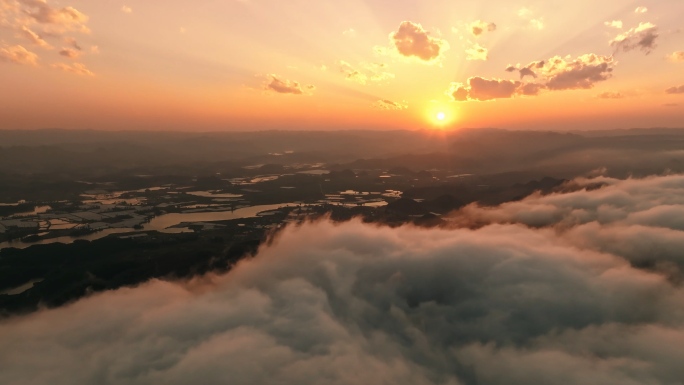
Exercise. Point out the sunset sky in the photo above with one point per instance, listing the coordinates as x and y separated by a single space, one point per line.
207 65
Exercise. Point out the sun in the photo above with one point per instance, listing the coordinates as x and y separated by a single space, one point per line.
440 116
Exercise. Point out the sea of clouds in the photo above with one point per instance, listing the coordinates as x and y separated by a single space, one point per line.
576 287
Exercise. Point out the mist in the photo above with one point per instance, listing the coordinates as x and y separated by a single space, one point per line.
527 296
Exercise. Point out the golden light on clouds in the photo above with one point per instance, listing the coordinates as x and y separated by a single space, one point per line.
364 63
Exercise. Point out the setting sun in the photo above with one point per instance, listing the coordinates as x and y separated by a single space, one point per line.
441 116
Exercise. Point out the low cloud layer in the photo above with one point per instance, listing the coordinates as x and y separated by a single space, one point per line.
577 287
412 41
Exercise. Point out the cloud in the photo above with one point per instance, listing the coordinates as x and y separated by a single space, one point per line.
676 57
126 9
641 10
537 24
73 43
555 74
477 52
351 73
532 21
351 32
354 303
642 37
580 73
385 104
75 68
610 95
70 53
639 220
412 41
34 37
18 55
615 24
67 17
527 70
284 86
675 90
374 72
481 89
479 27
38 21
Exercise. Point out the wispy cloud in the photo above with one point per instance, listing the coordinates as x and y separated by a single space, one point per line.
284 86
18 54
75 68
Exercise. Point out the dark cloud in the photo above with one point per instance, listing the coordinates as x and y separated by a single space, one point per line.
481 89
675 90
479 27
70 53
554 74
642 38
561 302
411 40
580 73
527 70
284 86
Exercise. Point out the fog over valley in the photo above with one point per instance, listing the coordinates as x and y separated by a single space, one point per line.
297 192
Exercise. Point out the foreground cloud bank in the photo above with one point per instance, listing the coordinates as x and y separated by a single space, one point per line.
546 292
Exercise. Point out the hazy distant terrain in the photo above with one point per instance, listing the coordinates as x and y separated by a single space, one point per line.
81 153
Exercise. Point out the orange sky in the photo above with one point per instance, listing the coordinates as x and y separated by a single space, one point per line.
304 64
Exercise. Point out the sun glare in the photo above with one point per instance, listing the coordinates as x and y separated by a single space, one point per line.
441 116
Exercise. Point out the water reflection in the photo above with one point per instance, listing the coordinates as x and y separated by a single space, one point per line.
162 223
